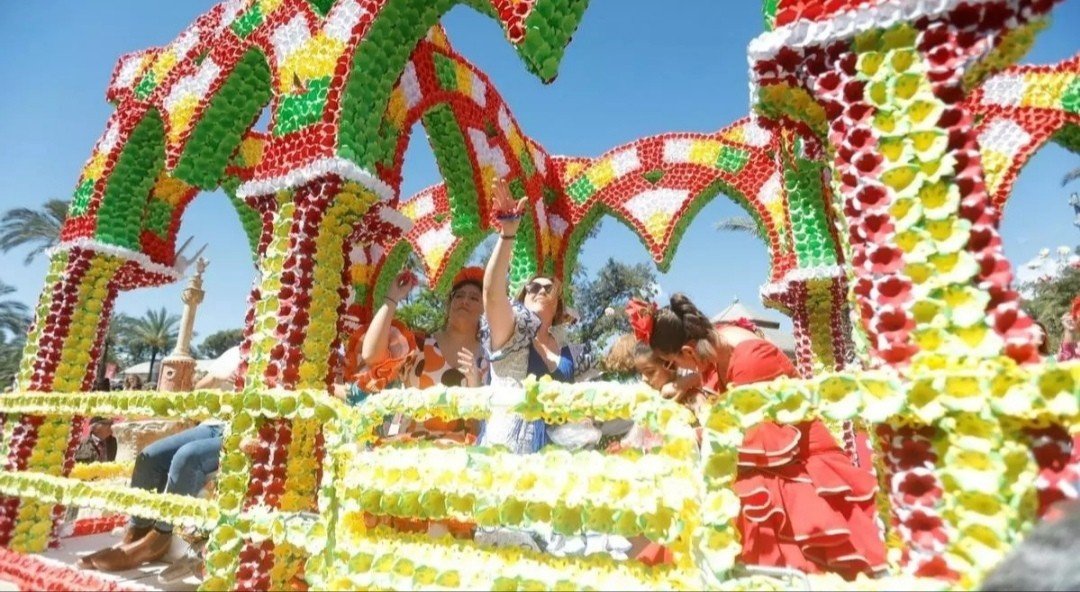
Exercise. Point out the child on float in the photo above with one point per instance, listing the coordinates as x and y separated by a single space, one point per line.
804 505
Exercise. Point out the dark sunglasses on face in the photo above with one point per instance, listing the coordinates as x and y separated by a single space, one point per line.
538 288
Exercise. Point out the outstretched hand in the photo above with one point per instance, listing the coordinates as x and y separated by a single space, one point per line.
467 366
507 211
403 284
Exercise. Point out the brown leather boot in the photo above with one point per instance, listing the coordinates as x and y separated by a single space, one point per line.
148 549
132 534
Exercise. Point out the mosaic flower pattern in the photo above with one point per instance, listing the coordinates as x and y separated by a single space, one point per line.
885 138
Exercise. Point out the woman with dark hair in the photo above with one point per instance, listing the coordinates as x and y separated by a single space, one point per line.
804 504
522 340
1042 340
452 356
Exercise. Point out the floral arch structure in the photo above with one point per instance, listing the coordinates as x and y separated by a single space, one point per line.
874 161
1019 110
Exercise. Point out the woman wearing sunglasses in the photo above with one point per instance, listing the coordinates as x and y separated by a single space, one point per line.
804 504
522 342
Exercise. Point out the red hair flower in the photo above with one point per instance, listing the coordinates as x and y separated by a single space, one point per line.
641 314
1074 310
469 274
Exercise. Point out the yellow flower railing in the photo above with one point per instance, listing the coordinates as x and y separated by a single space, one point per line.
673 494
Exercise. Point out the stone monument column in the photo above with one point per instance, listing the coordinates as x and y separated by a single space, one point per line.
178 368
177 375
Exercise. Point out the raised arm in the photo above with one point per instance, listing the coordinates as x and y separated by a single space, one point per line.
496 288
376 346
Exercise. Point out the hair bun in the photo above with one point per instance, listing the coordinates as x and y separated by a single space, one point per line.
696 324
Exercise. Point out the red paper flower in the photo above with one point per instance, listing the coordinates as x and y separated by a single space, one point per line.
642 315
926 530
919 488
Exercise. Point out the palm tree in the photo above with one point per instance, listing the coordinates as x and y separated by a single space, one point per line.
39 229
118 326
155 331
740 224
14 316
10 354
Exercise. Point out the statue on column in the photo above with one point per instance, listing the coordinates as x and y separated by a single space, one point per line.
178 369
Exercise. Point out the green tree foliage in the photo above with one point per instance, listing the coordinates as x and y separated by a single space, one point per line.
1050 299
37 229
600 301
217 343
14 320
153 333
14 315
423 311
10 354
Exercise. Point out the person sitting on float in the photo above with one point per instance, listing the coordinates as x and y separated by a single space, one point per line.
452 356
180 464
523 340
804 505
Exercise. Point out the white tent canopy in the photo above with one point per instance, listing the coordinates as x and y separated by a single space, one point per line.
143 370
768 325
221 368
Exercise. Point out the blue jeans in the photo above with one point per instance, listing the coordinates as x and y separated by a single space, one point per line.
178 464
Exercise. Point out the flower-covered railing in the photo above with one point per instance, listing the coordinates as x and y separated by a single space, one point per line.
960 463
885 137
957 514
653 494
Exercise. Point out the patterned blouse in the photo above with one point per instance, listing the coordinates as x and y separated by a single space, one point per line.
510 365
432 368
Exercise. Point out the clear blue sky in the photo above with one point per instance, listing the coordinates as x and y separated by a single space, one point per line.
634 68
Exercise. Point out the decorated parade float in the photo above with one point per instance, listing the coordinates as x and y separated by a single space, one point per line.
882 143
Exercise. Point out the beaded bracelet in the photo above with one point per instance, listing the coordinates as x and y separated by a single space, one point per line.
504 216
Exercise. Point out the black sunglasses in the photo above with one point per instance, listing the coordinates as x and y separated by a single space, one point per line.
538 288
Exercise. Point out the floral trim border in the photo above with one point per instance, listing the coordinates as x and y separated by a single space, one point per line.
314 170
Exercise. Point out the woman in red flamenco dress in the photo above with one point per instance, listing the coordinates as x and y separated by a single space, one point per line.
804 504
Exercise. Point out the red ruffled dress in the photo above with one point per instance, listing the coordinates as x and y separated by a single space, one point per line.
804 504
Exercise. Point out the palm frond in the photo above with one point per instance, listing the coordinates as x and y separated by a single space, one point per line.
37 229
14 315
1070 176
739 224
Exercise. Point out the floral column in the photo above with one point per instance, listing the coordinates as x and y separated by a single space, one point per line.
884 85
61 356
291 342
814 293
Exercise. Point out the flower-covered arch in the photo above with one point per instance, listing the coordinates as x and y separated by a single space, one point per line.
1019 110
872 161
